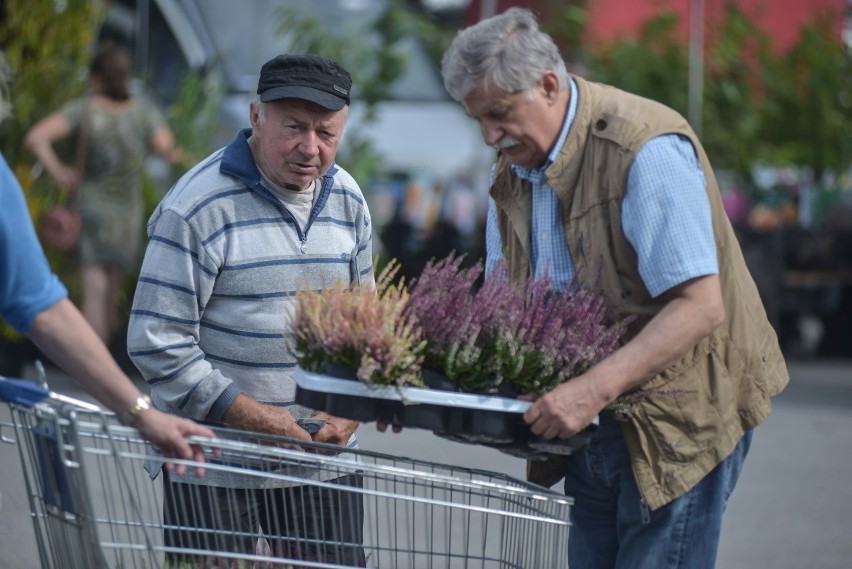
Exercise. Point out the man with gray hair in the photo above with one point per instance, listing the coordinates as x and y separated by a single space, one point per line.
230 244
595 184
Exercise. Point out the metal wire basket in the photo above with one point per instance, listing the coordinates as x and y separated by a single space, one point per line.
94 505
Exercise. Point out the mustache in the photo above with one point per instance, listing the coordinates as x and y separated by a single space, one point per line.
506 142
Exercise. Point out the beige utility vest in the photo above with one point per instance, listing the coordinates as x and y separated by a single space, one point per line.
730 375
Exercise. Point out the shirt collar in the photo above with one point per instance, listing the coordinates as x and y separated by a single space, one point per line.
531 174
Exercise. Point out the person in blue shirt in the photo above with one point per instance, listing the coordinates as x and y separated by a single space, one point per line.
34 302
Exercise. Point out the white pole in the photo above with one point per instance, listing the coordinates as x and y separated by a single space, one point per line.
487 9
696 63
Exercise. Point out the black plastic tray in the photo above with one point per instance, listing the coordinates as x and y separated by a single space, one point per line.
488 420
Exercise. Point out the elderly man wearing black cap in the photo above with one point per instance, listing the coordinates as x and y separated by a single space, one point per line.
230 244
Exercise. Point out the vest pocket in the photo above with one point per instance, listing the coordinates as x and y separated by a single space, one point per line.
685 419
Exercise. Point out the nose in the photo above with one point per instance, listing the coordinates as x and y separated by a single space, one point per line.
490 132
309 144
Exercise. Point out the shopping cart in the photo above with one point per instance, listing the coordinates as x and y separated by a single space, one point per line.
94 506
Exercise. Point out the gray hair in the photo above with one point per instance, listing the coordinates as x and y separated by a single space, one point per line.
508 51
261 108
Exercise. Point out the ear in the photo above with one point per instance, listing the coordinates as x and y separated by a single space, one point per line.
254 116
549 85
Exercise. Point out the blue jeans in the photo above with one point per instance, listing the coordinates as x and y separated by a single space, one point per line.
613 528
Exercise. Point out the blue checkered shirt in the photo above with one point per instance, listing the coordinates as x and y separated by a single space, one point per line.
665 215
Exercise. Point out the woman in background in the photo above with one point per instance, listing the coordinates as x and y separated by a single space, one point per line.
116 132
34 302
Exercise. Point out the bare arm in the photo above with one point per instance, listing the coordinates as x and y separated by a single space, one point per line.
39 140
693 310
248 414
64 336
163 143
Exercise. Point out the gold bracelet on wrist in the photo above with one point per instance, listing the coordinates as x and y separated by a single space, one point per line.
142 404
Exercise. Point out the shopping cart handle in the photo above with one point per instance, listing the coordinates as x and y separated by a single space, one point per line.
22 392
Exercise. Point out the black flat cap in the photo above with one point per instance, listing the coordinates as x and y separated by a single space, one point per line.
309 77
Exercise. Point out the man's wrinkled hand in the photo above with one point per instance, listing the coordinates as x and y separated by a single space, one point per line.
564 411
336 431
249 415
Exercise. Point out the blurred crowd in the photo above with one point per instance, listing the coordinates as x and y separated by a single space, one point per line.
419 217
796 235
795 231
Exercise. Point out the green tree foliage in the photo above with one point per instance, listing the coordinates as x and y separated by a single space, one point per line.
374 56
567 24
808 111
793 108
736 68
46 44
46 47
653 65
193 116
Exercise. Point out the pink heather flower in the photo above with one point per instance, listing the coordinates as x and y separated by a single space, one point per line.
362 328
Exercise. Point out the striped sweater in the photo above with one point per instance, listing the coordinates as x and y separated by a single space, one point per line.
217 285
